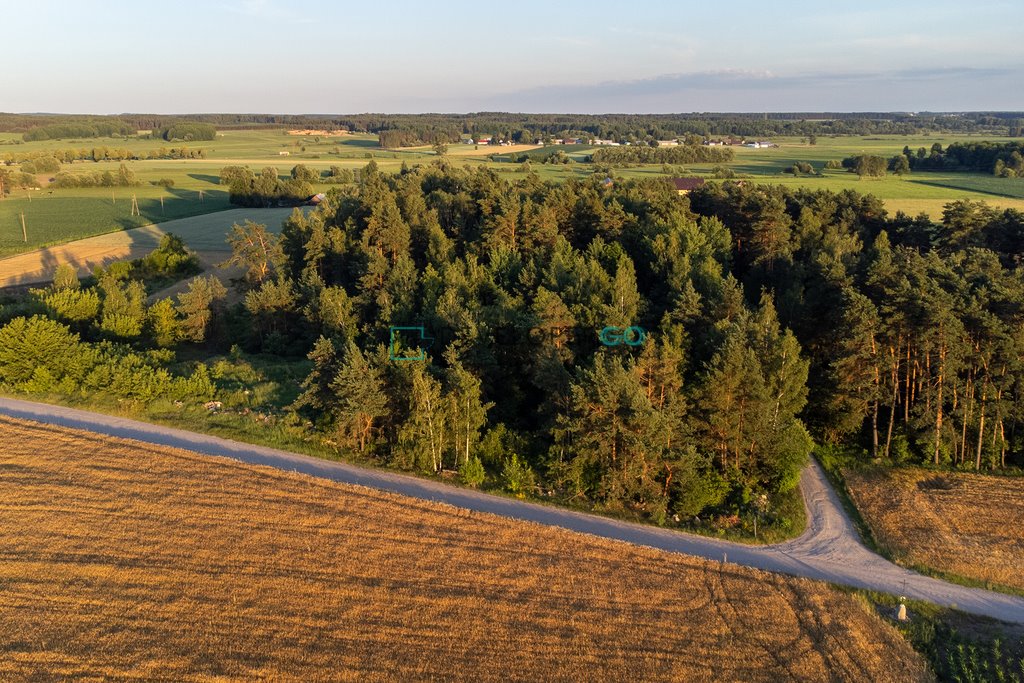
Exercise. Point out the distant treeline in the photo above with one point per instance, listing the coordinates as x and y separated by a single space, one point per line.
100 129
123 178
1001 159
681 154
429 128
412 129
69 155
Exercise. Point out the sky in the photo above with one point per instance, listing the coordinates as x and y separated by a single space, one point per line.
593 56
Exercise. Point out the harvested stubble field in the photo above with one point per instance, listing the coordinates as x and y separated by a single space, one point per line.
961 523
123 560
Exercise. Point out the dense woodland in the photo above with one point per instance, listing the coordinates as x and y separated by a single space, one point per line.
774 318
680 154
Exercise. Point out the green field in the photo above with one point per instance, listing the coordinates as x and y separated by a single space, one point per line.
73 214
60 215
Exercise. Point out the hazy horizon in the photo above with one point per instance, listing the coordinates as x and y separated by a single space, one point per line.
266 56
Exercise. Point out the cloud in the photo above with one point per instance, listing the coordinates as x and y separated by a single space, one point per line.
960 88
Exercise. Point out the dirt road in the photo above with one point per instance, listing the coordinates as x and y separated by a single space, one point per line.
829 549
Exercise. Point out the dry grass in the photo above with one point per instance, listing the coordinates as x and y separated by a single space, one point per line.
122 560
961 523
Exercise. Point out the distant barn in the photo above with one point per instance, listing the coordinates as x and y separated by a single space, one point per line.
687 185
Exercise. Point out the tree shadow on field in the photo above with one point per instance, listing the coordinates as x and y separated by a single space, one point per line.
362 143
951 185
38 268
205 177
181 203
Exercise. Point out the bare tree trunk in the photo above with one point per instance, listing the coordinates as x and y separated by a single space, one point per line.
467 429
906 393
968 411
927 378
981 425
938 401
895 376
1002 445
874 411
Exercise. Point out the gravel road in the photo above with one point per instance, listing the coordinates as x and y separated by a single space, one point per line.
829 549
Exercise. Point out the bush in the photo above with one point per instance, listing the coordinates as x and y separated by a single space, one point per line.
723 172
73 305
163 182
799 167
186 131
46 164
303 173
472 472
171 257
66 277
519 477
27 344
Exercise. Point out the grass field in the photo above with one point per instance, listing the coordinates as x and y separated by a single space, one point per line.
121 560
204 234
73 214
60 215
963 524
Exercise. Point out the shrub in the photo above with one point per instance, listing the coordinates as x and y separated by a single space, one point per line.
519 477
47 164
66 277
171 257
73 305
472 472
30 343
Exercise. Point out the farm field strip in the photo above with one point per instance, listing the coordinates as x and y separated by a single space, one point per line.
60 215
157 562
828 550
963 523
204 234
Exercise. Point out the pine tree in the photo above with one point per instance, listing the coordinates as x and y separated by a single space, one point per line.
162 322
198 306
358 400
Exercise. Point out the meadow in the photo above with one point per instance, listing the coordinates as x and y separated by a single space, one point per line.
964 525
203 233
124 560
53 216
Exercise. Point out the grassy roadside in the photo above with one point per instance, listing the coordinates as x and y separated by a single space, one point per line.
274 429
958 646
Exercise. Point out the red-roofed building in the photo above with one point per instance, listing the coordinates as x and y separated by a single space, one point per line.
687 185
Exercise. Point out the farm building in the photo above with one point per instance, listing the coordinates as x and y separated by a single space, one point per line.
686 185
